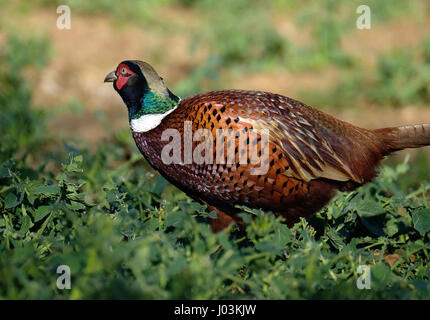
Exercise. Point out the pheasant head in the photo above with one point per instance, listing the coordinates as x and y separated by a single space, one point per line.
142 90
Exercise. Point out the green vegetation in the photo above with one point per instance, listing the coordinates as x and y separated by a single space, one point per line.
125 233
401 78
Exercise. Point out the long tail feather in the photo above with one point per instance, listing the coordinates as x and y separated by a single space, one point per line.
398 138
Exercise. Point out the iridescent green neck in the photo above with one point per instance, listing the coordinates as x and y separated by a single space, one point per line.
152 103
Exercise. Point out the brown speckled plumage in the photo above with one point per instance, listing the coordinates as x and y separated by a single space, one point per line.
311 154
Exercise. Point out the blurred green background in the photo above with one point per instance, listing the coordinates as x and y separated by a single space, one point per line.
310 51
74 190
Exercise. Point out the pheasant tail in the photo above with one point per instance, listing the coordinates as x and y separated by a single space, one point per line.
398 138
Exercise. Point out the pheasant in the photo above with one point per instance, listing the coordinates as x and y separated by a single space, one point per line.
202 144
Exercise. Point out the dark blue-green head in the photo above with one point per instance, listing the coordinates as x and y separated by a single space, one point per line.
142 89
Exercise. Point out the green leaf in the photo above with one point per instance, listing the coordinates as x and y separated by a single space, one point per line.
174 219
212 214
380 275
41 213
48 189
11 200
369 208
391 227
75 164
160 185
335 238
75 206
421 219
6 168
26 224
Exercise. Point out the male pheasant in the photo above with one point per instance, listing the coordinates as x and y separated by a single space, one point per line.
302 155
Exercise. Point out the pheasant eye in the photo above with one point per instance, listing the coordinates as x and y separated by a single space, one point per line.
123 70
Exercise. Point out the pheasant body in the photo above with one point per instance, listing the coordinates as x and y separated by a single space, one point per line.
308 155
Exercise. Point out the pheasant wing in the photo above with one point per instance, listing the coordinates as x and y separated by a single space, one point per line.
305 135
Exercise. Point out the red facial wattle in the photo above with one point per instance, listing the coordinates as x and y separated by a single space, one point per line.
122 77
121 81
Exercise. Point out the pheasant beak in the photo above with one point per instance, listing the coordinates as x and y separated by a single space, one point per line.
111 77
